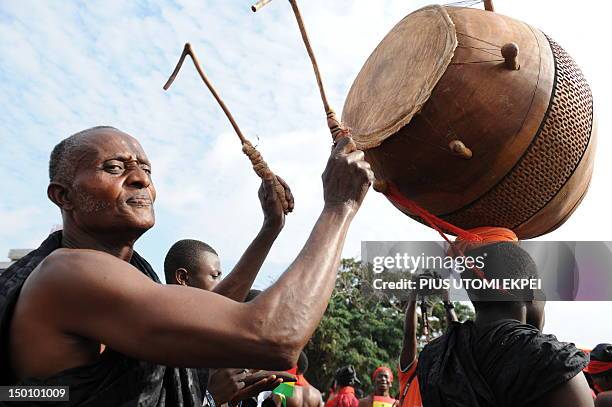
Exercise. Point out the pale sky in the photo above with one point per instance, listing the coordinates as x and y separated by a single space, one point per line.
67 66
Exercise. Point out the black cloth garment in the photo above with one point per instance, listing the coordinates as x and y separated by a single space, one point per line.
114 379
505 364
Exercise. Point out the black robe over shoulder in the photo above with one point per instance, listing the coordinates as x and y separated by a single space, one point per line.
114 380
503 364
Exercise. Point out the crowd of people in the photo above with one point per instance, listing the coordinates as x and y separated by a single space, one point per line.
84 310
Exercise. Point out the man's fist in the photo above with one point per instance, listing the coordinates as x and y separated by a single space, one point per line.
274 214
347 177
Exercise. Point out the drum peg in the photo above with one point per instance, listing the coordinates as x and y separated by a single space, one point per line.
510 53
460 150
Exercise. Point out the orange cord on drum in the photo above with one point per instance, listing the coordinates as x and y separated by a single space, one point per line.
439 225
483 235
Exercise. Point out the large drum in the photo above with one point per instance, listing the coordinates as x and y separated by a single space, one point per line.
479 118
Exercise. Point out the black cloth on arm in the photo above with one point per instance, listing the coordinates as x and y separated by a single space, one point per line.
115 379
505 364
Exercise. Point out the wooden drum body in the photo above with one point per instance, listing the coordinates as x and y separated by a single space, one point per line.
439 82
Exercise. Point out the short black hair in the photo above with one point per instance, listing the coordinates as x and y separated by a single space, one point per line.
302 364
62 165
502 260
346 376
184 254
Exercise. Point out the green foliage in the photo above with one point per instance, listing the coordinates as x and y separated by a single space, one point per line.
363 330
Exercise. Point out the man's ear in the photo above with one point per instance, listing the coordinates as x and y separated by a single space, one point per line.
59 194
181 275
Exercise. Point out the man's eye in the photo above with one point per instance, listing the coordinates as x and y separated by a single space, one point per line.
145 167
114 168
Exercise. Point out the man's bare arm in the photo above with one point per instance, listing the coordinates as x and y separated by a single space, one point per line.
573 393
238 283
409 346
95 295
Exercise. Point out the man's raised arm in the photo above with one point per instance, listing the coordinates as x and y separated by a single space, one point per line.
238 283
108 300
409 346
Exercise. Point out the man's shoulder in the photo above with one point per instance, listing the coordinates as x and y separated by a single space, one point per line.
75 270
312 396
78 262
65 258
511 332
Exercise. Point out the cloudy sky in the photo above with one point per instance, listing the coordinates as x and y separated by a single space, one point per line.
67 66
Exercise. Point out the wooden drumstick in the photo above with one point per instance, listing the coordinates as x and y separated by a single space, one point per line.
336 128
259 5
259 165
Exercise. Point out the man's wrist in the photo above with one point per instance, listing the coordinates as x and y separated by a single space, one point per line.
340 208
272 226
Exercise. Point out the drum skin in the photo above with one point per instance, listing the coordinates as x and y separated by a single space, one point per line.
531 131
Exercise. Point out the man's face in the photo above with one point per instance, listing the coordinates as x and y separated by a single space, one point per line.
207 272
382 381
112 188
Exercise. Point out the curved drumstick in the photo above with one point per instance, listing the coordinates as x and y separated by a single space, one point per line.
259 165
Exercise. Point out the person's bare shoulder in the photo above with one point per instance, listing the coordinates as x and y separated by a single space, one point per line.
56 303
312 397
73 281
78 269
64 263
573 393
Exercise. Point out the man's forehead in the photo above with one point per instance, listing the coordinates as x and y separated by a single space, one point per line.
209 258
108 143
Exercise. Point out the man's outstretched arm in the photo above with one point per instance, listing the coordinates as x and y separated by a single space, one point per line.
94 295
238 283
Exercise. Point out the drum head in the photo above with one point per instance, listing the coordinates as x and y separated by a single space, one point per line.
399 76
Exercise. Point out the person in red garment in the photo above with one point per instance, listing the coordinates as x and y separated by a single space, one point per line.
344 396
382 378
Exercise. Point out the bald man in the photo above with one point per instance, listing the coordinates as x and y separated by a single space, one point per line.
86 286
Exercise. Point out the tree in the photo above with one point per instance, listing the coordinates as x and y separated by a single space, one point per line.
363 330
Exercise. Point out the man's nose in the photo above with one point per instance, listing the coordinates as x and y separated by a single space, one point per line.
138 178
